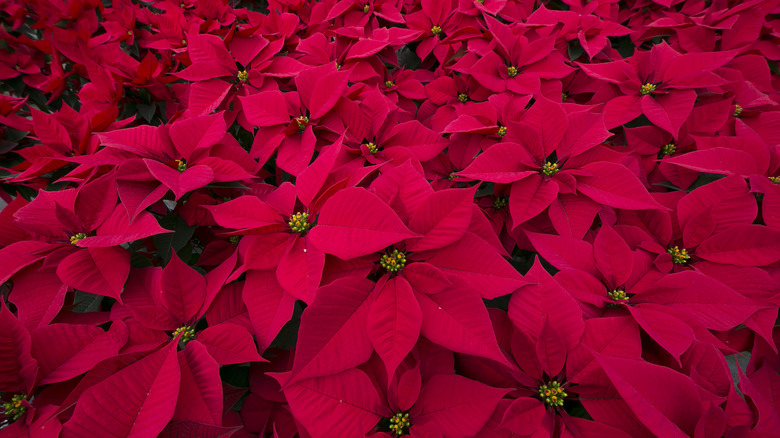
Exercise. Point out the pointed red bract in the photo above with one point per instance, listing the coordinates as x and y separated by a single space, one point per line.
99 271
139 400
643 386
394 321
345 402
182 289
355 222
332 337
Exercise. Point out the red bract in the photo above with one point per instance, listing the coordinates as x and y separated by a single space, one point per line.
424 218
659 84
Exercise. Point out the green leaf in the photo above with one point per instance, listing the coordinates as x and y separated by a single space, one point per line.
146 111
182 233
84 302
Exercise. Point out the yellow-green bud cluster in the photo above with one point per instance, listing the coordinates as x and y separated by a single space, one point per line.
399 424
679 256
366 8
389 84
15 408
187 334
501 131
647 89
393 262
299 222
243 75
618 295
463 97
373 148
552 393
234 239
564 96
737 110
302 121
436 30
669 149
550 169
511 71
181 165
775 179
76 237
500 202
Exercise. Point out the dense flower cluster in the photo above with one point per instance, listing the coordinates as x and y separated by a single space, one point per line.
349 218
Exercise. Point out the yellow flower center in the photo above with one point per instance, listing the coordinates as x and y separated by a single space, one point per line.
511 71
482 2
552 393
647 88
76 237
181 165
463 97
436 30
299 222
14 408
775 179
679 256
500 203
737 110
501 131
389 84
564 96
302 121
243 75
399 424
618 295
187 334
373 148
393 262
183 42
550 169
234 239
669 149
366 8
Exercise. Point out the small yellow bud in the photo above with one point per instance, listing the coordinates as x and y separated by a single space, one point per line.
187 334
302 121
552 394
393 262
14 409
436 30
511 71
299 222
618 295
76 237
373 148
243 75
550 169
679 256
647 88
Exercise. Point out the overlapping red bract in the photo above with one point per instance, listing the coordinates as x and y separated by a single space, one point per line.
344 218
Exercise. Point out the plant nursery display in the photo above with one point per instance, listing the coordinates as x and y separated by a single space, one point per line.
389 218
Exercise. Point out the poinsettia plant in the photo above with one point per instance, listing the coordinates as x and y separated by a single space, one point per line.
436 218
